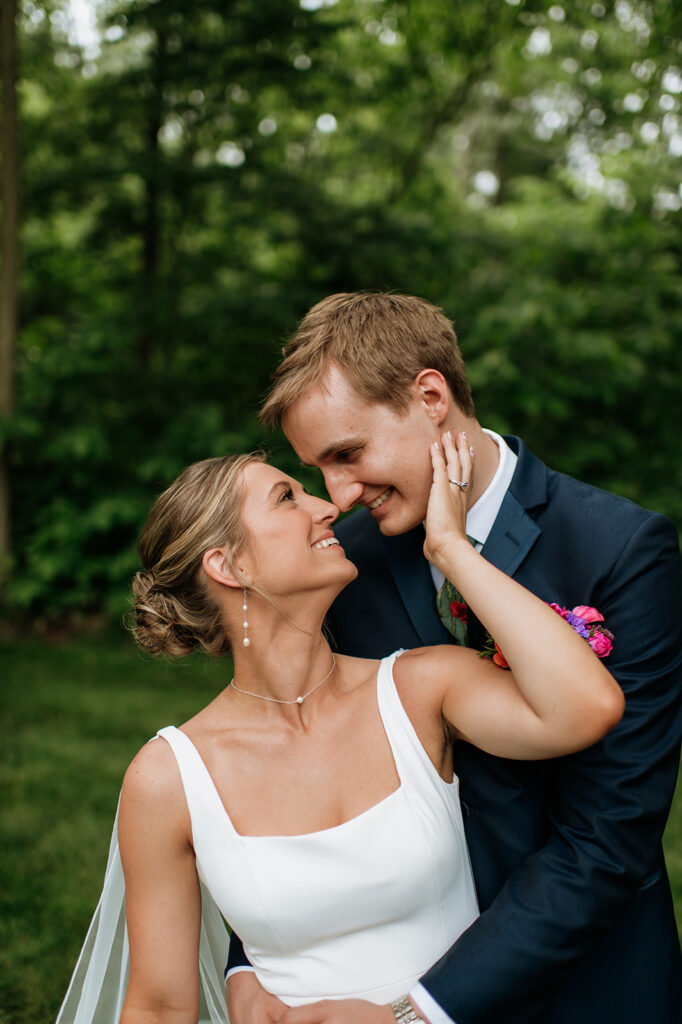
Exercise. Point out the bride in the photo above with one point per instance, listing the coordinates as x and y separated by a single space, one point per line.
312 801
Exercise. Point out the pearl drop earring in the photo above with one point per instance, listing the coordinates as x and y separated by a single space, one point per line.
245 624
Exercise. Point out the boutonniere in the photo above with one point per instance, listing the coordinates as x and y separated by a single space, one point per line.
586 621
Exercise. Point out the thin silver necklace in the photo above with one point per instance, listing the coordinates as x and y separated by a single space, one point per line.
278 700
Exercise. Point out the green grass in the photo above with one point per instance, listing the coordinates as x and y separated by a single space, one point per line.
73 715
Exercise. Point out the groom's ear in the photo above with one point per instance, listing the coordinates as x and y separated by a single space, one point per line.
432 390
217 566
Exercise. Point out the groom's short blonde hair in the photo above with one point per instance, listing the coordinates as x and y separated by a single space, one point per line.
380 341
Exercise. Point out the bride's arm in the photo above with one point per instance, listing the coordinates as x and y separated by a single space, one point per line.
163 901
558 698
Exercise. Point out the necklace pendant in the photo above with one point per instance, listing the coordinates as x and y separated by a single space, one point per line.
279 700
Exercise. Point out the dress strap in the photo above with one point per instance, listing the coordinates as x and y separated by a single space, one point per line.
412 761
203 799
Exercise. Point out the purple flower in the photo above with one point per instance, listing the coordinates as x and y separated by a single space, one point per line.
578 624
584 619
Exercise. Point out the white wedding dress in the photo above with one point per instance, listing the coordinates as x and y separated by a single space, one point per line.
359 910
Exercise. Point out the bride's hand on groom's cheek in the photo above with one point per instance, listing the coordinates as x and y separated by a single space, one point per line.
339 1011
249 1003
452 463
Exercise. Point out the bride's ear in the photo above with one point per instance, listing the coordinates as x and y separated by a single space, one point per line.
216 564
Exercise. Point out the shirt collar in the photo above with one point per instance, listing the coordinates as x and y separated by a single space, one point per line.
482 515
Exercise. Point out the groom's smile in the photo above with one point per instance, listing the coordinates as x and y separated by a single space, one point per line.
381 500
369 453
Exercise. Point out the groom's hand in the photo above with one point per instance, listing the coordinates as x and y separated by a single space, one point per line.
339 1011
249 1003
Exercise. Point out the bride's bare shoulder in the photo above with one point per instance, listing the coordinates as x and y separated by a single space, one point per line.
152 777
431 669
410 666
412 663
153 818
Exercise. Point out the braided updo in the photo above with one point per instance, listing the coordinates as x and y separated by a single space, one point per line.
174 612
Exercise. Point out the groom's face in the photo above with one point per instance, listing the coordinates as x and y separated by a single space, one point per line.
369 454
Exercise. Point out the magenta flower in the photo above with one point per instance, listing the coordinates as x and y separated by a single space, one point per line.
584 619
601 643
588 614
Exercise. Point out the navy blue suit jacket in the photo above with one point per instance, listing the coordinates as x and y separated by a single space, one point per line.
577 922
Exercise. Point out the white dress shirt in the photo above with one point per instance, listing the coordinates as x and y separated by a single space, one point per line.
480 519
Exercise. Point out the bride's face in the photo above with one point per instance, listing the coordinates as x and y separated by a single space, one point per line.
290 545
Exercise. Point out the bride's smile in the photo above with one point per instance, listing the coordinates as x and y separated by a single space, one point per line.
287 530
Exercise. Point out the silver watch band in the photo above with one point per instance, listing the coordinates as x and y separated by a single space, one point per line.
404 1012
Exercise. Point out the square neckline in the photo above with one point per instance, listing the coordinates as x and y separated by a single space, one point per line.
388 662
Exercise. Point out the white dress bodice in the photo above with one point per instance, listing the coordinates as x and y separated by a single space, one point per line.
362 909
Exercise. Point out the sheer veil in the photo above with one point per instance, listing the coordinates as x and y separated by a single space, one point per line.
98 984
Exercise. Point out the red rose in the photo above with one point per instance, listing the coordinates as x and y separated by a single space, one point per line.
459 610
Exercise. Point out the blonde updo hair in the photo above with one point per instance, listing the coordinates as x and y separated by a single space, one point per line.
174 611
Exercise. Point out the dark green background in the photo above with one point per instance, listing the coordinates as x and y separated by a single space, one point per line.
183 207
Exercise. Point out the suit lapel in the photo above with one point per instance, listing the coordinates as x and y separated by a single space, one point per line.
511 537
514 532
413 579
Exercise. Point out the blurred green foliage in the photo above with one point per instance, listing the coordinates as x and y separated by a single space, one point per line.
198 178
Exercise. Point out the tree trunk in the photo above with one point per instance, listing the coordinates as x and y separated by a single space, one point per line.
151 228
9 258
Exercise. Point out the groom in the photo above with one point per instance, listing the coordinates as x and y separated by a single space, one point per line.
576 922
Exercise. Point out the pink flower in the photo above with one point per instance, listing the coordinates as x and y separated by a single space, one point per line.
459 610
600 643
588 614
584 619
